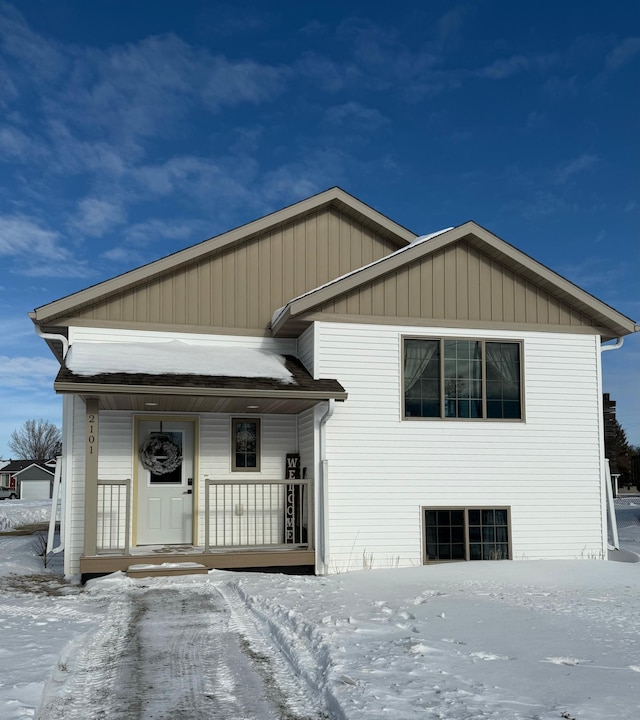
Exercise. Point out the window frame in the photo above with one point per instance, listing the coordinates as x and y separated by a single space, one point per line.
235 421
465 509
441 378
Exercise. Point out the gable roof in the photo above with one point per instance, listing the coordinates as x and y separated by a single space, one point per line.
335 198
15 467
576 307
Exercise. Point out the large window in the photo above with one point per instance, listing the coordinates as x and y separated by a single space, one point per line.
245 441
466 534
458 378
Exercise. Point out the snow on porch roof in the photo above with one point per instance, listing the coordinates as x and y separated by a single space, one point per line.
181 369
174 357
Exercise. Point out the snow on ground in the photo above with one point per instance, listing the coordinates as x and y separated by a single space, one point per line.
531 640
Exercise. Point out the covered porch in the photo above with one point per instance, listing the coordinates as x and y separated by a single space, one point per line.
249 525
255 518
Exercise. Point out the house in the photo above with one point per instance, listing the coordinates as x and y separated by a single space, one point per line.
321 388
26 479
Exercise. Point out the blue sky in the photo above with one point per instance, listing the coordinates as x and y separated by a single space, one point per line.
129 130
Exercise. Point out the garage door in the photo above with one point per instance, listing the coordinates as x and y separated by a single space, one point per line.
35 490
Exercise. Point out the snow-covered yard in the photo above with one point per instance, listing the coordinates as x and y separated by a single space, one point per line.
529 639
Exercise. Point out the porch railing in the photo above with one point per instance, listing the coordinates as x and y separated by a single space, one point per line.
114 503
237 515
257 514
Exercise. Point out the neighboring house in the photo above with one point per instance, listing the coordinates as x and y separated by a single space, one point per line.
323 388
26 479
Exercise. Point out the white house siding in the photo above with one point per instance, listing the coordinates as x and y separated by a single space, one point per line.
279 436
308 449
383 469
307 441
306 349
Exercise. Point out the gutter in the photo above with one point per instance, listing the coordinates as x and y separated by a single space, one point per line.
615 346
323 492
53 336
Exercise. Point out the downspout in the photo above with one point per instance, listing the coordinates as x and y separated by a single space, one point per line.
616 346
605 472
323 491
53 336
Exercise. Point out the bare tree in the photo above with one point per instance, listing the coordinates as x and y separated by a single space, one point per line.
35 440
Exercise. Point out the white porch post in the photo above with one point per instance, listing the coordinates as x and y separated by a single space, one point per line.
91 476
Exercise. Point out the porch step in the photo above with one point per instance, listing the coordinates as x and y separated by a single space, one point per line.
166 569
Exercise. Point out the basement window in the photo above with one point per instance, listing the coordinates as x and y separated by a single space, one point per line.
467 533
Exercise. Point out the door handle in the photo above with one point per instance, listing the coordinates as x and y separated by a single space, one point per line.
188 492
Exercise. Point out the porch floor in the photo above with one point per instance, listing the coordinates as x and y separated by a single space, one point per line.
103 564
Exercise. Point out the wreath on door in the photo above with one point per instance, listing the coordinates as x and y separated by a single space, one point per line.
160 454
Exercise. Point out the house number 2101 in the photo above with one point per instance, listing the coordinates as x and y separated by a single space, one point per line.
91 438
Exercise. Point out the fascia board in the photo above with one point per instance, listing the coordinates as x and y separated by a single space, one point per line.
145 273
18 472
552 277
79 388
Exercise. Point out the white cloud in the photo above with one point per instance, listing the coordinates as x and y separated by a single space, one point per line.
225 179
95 217
27 372
41 57
353 113
36 251
504 67
21 236
574 167
14 143
145 235
594 274
326 73
622 53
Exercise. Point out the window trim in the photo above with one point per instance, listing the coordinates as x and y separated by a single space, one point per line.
465 509
442 417
234 424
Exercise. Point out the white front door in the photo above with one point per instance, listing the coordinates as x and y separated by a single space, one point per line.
165 496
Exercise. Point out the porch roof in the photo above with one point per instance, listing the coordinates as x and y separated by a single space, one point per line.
202 393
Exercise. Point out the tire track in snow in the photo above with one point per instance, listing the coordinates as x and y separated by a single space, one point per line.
167 653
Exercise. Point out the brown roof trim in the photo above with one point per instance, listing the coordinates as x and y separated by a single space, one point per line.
335 196
482 240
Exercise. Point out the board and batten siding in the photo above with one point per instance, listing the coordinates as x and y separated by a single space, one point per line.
457 283
383 470
240 285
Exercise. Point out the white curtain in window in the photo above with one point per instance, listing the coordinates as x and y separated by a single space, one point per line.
415 365
508 370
